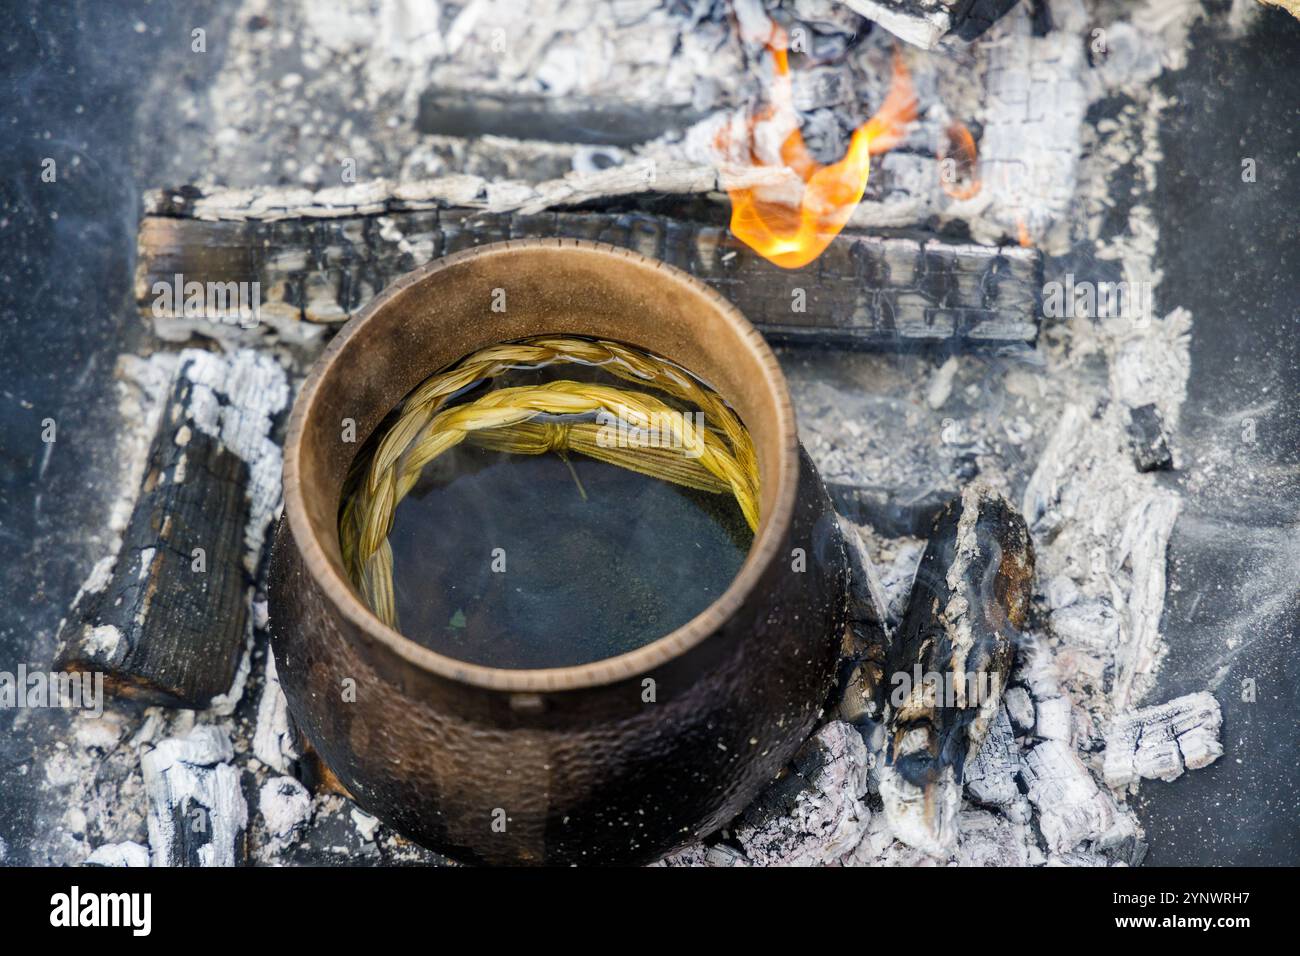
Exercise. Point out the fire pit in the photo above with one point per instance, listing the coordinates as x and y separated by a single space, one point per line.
1044 573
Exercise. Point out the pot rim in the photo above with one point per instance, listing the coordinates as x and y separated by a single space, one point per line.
771 533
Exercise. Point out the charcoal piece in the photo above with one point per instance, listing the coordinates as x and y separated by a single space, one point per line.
1162 741
470 114
973 17
1150 440
197 812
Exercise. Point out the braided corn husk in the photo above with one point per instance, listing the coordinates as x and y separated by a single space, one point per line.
718 459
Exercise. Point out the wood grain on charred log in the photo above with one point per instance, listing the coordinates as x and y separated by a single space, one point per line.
169 623
865 291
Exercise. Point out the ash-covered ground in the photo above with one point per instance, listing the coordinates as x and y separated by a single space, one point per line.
1167 586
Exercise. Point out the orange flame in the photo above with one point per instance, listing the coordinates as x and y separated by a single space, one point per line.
1022 233
958 163
795 237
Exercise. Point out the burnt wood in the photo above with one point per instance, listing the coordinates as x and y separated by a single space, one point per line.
949 663
865 291
169 626
613 122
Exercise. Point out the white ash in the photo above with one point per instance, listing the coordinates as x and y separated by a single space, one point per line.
1020 710
284 807
926 821
1142 550
191 783
94 791
900 558
119 855
273 740
365 823
1163 741
106 639
940 387
243 428
990 778
1071 807
989 839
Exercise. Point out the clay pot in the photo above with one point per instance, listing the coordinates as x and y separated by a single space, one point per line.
616 761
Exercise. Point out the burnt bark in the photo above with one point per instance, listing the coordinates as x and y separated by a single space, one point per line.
170 623
864 291
948 665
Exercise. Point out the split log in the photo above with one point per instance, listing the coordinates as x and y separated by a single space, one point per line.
948 665
197 812
284 808
275 741
168 623
865 291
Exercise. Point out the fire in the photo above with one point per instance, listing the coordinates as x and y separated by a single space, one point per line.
793 237
958 163
1022 233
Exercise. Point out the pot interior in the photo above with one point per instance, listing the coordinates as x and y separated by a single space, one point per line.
432 318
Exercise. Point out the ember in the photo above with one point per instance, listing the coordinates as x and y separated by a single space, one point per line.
958 163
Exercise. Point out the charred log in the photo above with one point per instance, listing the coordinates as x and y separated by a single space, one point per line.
866 639
865 291
170 621
466 113
197 812
948 665
924 23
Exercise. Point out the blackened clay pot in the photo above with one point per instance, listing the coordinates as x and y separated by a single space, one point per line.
616 761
